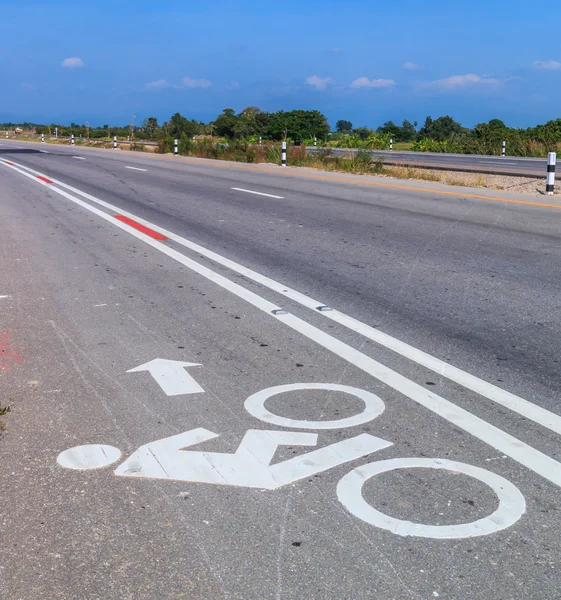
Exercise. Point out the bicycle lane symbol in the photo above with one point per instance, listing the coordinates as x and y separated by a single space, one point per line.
249 466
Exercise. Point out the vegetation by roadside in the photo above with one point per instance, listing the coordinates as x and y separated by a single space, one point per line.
306 127
4 410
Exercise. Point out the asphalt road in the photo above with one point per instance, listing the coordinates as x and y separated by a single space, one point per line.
413 450
508 165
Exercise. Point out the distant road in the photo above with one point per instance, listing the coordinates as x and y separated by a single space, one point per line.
509 165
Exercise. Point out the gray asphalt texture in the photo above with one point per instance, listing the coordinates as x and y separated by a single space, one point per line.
472 282
477 163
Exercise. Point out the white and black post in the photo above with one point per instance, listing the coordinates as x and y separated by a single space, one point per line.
6 135
260 140
550 181
175 147
72 139
391 144
504 148
115 142
56 132
315 142
283 155
42 138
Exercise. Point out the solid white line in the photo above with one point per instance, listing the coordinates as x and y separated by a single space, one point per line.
136 169
44 151
79 157
526 455
511 401
258 193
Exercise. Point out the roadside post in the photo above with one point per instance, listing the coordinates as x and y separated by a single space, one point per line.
284 154
72 139
315 142
550 181
6 135
260 140
56 132
115 142
391 144
42 138
175 147
504 148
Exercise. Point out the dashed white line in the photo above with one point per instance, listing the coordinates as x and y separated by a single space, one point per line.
258 193
79 157
136 169
44 151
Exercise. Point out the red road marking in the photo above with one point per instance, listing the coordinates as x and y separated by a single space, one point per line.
8 355
146 230
8 163
43 179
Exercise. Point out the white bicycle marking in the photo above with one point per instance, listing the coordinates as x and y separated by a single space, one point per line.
512 504
91 456
250 465
373 406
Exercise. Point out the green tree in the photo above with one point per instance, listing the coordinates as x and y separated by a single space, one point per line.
225 124
440 129
297 125
408 131
343 126
179 124
150 124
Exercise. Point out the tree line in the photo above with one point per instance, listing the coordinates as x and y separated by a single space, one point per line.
443 134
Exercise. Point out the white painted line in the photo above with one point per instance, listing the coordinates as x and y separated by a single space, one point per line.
258 193
79 157
44 151
526 455
490 391
2 297
136 169
171 376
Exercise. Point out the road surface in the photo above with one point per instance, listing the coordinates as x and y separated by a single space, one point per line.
190 420
508 165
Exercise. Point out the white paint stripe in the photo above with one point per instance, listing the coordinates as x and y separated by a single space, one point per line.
2 297
526 455
511 401
79 157
44 151
136 169
258 193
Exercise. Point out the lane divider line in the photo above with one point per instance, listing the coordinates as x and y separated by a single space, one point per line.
45 179
136 169
79 157
258 193
153 234
488 390
500 440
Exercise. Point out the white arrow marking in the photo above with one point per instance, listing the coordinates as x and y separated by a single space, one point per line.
171 376
250 465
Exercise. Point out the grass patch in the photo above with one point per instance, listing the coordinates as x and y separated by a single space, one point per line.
402 146
4 410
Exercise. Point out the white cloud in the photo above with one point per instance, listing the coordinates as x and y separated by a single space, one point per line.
320 83
72 63
196 83
411 66
160 83
461 81
546 65
372 83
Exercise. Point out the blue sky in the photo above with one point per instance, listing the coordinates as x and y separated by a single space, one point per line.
367 61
